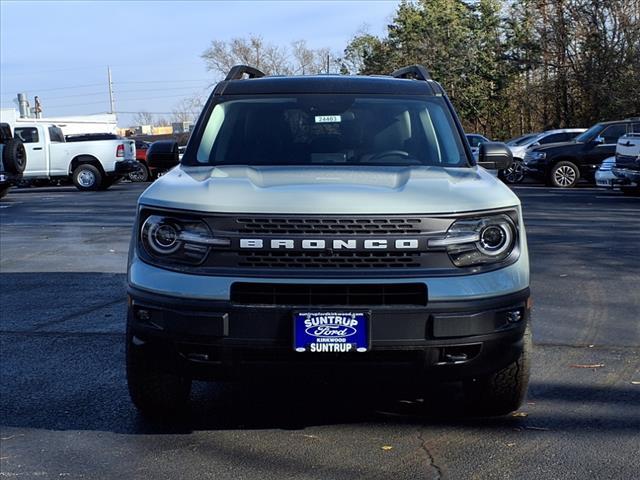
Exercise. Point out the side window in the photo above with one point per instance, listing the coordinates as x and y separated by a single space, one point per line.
27 134
56 135
554 137
474 141
612 133
635 128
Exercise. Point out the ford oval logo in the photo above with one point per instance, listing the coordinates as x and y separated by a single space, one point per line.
331 331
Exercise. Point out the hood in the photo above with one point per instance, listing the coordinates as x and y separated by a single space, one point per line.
329 190
563 145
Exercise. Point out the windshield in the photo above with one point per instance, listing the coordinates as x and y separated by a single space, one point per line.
331 130
522 139
589 134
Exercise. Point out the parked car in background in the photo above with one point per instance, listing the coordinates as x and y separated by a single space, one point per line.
604 175
627 165
91 164
13 159
564 164
142 172
475 140
516 173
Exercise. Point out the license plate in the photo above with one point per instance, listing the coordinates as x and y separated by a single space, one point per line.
331 332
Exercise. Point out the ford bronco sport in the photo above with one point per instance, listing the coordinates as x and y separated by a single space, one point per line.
323 221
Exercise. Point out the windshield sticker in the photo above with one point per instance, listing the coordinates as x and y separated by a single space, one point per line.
328 118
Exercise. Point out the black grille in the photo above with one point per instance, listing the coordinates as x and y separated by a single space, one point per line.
331 295
363 260
329 226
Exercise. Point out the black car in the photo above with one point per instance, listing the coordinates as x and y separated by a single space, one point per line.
564 164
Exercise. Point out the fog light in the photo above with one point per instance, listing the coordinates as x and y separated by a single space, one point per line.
514 316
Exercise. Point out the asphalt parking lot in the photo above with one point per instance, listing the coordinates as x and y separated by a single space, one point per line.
65 411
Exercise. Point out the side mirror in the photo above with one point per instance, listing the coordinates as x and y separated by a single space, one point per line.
599 139
494 156
535 144
163 154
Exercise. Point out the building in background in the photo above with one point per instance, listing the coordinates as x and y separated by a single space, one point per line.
181 127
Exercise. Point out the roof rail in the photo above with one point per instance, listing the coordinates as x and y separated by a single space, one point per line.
238 71
412 71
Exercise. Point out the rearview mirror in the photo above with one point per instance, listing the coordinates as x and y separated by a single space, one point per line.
163 154
494 156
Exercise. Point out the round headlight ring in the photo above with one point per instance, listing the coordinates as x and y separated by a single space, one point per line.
163 238
495 239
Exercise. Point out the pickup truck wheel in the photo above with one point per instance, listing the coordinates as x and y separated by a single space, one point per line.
154 392
140 174
503 391
564 175
14 156
87 177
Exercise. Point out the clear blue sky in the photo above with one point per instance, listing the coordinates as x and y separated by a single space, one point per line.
153 47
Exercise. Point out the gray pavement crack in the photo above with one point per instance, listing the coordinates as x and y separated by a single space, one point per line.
78 314
432 462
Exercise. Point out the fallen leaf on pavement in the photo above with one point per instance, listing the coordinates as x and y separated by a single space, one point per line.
635 382
387 447
520 414
511 444
591 365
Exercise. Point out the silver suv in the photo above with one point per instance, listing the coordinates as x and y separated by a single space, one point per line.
325 223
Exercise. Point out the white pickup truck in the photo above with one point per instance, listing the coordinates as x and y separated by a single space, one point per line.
92 165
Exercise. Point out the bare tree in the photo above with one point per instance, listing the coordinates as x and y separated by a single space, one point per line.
143 118
272 59
187 109
254 51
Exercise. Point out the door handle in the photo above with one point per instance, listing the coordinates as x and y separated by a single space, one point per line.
37 148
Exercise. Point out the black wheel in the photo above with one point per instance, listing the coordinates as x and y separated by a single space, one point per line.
14 156
140 174
154 391
4 190
564 175
503 391
87 177
513 174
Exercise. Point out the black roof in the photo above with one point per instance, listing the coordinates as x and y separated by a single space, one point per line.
328 84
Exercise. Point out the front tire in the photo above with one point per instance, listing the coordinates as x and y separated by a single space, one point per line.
513 174
504 391
86 177
154 391
564 175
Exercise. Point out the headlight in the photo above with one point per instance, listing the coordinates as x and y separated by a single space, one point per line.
479 241
178 240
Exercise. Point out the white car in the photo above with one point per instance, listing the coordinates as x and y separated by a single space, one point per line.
92 164
604 175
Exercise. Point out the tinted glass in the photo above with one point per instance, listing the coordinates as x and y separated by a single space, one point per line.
612 133
56 135
27 134
590 134
553 138
635 127
522 140
331 130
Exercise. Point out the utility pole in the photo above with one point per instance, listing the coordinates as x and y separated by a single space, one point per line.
111 104
328 63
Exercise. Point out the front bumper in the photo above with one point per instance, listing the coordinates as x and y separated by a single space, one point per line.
223 339
627 174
